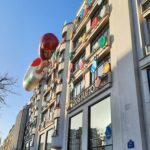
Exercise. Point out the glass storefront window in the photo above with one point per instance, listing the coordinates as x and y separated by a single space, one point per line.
41 142
100 131
49 139
75 133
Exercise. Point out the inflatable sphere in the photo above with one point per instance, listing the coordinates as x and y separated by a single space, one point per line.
48 45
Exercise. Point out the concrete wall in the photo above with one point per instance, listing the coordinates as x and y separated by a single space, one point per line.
126 119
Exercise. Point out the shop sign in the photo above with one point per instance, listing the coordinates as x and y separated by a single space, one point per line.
87 92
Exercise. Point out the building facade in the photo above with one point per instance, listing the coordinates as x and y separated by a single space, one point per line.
45 127
96 95
108 94
14 140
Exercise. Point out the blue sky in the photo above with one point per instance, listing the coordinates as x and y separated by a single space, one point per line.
22 23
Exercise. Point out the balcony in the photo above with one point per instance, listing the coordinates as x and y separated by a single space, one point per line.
90 36
61 66
58 88
100 52
62 47
99 26
84 20
146 8
91 91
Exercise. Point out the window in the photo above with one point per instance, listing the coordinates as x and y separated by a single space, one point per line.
78 88
99 71
49 139
44 116
148 75
77 62
60 75
75 133
58 99
62 56
41 142
104 32
27 146
148 24
51 112
78 41
100 131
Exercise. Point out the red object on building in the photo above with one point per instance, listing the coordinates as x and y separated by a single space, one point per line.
70 66
63 40
48 44
36 62
86 11
95 21
81 64
98 81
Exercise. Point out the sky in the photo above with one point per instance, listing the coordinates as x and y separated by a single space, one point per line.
22 23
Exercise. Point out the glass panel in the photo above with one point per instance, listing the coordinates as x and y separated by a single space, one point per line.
100 126
100 70
27 147
148 25
75 132
51 112
41 143
49 139
148 74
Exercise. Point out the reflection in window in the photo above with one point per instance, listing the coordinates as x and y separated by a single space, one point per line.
75 132
100 126
49 139
41 142
99 71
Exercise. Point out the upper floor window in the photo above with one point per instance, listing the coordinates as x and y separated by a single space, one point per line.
78 88
41 142
51 112
99 71
78 41
58 99
49 139
148 75
77 62
64 35
62 56
44 116
95 43
148 25
60 75
75 133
